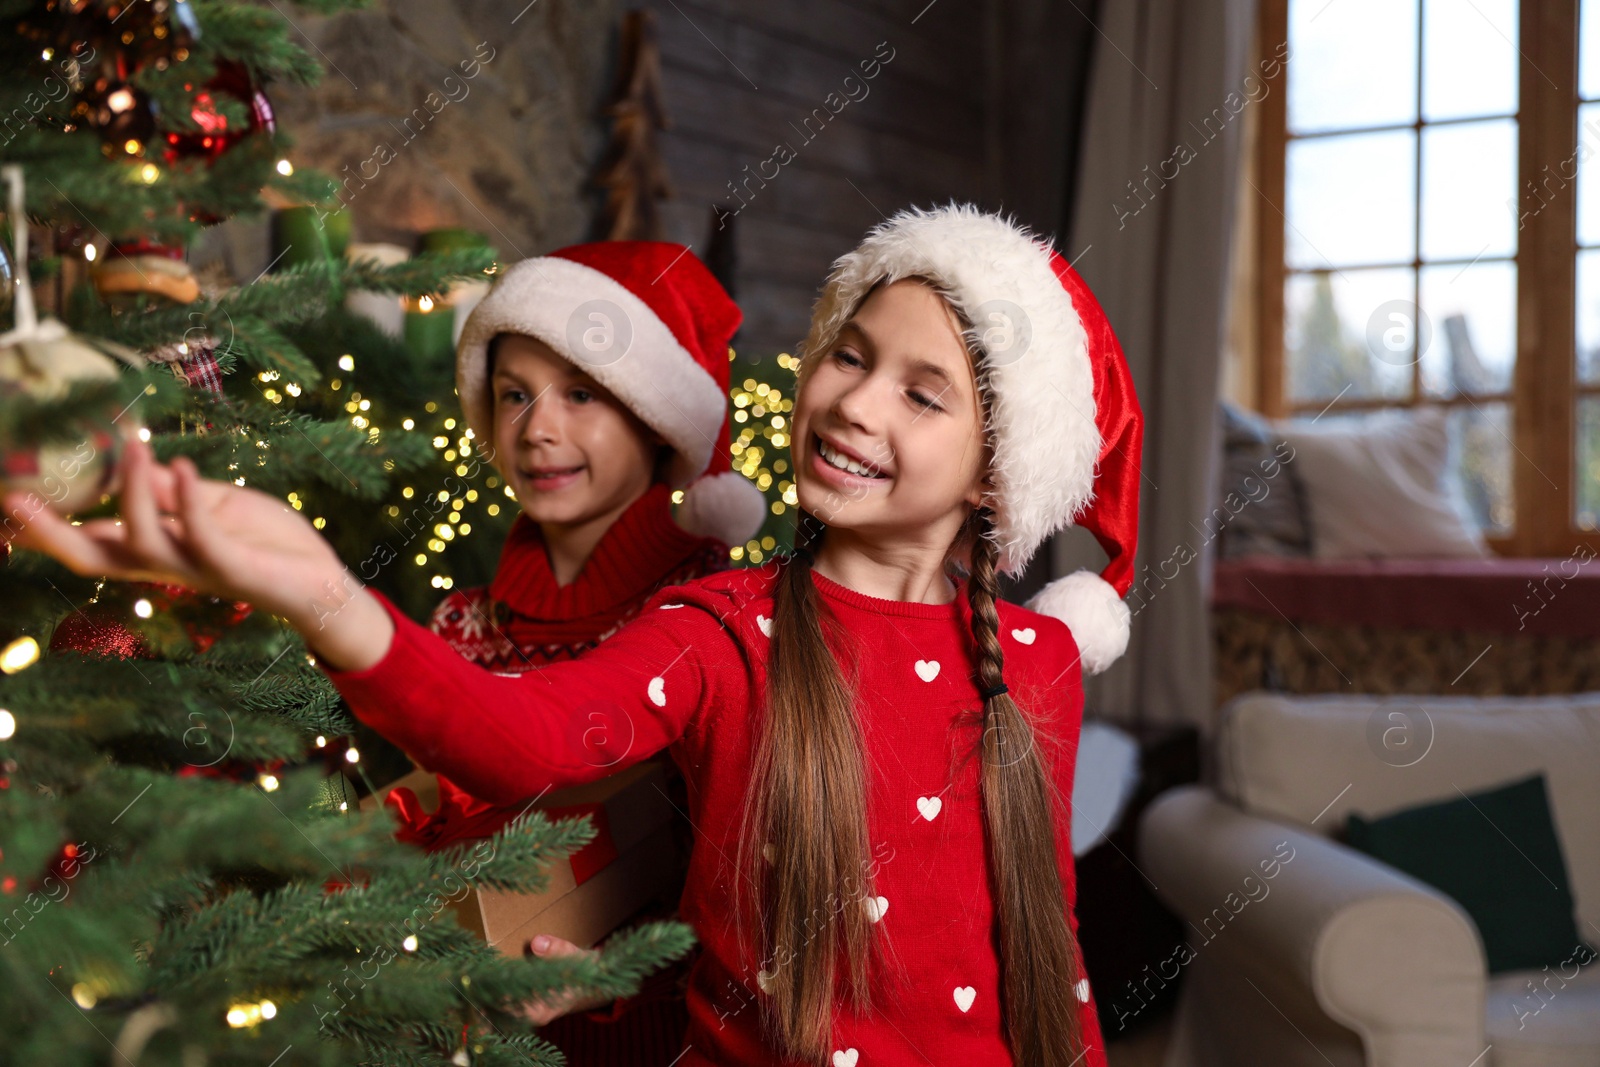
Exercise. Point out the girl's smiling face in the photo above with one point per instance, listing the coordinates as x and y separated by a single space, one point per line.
888 428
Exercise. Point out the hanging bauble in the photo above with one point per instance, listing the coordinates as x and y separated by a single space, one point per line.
193 359
8 287
72 471
111 36
123 114
97 631
140 266
176 617
99 46
216 134
76 466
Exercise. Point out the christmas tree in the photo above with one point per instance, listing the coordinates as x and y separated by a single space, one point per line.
185 872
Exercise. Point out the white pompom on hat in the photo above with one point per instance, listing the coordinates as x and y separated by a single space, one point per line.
649 323
1064 423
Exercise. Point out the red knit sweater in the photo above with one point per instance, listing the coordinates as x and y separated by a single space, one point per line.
525 619
688 673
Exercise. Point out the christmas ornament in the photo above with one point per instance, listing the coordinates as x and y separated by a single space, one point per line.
112 623
8 283
140 266
96 631
215 134
194 359
41 359
103 44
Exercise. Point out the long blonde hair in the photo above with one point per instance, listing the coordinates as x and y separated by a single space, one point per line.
808 805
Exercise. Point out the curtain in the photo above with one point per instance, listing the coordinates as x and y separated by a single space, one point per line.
1170 87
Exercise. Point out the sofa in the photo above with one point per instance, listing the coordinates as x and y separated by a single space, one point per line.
1302 950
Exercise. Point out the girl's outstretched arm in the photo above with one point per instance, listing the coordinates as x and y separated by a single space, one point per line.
221 539
505 738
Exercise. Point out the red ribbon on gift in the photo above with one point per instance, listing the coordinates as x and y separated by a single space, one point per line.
463 817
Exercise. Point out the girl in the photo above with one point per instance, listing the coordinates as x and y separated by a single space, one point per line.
878 750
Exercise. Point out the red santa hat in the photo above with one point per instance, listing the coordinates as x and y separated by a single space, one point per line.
1064 423
647 321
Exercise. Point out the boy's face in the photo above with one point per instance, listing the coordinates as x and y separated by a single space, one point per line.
570 451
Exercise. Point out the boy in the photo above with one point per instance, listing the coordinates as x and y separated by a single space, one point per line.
598 374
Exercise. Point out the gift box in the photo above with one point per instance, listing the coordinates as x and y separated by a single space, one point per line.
635 858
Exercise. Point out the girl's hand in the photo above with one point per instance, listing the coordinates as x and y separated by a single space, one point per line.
540 1011
221 539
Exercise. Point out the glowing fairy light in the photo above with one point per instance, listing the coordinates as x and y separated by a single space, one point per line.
19 655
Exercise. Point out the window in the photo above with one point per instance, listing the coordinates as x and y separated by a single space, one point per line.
1431 251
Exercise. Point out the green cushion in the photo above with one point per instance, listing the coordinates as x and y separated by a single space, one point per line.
1496 854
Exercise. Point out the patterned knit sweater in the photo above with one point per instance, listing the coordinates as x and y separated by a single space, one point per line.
690 673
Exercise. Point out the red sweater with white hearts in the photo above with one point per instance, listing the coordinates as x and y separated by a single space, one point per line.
686 676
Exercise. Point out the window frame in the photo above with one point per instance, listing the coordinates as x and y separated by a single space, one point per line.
1544 392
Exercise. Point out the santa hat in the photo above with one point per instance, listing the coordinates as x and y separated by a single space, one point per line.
1064 423
647 321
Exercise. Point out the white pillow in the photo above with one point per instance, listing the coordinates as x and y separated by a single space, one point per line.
1383 487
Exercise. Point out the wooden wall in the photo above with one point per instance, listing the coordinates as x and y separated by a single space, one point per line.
970 101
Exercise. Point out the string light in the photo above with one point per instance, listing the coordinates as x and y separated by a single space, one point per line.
19 655
143 608
8 725
243 1015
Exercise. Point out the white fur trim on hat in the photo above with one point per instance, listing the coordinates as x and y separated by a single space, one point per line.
726 506
1098 618
635 357
1042 416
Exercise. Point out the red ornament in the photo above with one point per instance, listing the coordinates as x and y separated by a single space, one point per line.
102 628
215 136
97 630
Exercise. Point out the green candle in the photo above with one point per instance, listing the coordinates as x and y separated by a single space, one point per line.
297 237
429 334
336 225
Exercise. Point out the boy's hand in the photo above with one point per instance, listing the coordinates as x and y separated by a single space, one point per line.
221 539
541 1011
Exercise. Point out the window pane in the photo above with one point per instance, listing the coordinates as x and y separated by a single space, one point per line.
1472 320
1588 469
1351 199
1480 436
1588 299
1469 58
1551 182
1469 181
1589 49
1351 63
1349 334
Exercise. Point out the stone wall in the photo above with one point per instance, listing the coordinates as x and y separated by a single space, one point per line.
489 115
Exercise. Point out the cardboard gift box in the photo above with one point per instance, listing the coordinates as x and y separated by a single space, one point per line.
635 858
